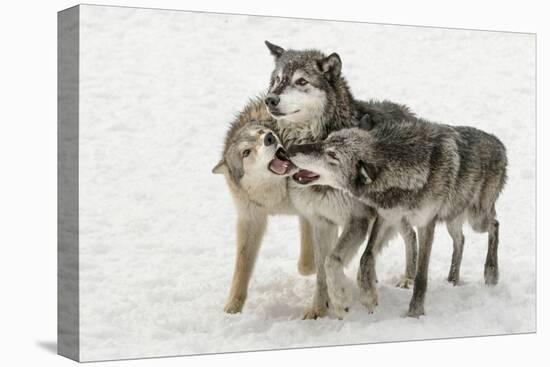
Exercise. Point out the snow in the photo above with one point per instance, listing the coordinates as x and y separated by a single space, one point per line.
158 89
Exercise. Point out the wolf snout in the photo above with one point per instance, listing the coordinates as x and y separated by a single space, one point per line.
303 149
272 100
269 139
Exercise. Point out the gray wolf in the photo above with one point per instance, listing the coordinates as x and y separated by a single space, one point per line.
250 146
309 98
417 171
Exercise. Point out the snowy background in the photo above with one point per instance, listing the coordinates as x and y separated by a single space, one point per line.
158 89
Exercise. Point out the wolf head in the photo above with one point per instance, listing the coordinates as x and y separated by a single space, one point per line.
305 85
254 153
367 158
338 161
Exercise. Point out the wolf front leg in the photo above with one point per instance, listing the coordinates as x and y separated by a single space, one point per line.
325 234
411 254
381 232
353 235
306 262
250 231
425 240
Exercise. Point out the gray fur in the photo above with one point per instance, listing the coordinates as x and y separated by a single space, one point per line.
309 113
253 113
421 172
341 109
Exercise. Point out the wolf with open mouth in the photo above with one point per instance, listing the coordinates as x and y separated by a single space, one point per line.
255 169
417 171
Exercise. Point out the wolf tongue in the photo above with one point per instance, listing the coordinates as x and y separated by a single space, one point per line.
306 173
279 166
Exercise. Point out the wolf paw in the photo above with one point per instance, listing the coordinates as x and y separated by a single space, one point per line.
453 279
369 299
415 311
339 290
404 282
491 275
234 305
314 313
340 296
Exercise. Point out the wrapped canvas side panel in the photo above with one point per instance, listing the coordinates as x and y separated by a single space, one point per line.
67 183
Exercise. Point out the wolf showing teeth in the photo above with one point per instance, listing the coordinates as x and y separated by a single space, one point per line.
252 163
420 172
309 98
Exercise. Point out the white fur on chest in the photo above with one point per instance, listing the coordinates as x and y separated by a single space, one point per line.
267 191
333 205
417 217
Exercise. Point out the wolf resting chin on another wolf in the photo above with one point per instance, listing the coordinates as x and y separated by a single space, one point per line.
307 107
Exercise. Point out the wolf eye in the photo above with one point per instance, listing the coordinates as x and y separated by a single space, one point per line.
301 81
333 158
332 155
246 153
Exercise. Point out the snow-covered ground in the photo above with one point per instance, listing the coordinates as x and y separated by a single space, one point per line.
158 89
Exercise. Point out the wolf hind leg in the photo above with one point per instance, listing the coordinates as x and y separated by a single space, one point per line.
485 221
489 196
411 254
491 262
454 227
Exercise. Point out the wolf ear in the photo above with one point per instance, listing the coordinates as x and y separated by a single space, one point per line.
366 122
366 173
220 168
275 50
331 66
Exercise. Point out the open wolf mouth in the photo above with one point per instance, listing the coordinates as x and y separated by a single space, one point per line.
276 113
280 165
304 177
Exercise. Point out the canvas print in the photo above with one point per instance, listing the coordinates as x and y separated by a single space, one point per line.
236 183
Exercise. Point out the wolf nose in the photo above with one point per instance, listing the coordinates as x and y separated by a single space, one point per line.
269 139
272 100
